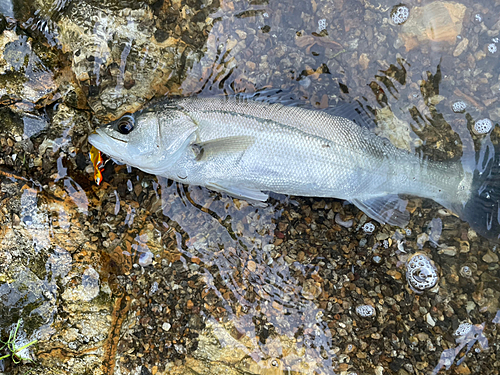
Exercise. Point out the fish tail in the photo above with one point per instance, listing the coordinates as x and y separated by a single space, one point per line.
482 210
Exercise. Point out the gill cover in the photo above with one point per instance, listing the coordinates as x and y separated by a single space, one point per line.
147 140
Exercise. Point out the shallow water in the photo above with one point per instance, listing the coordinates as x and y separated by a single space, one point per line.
142 275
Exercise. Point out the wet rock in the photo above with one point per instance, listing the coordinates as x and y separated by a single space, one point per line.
435 22
143 55
24 76
490 257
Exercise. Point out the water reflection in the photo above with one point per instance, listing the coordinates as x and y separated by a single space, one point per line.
261 282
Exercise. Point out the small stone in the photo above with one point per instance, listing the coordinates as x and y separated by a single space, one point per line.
448 250
429 320
382 236
166 326
364 61
422 238
251 65
490 257
241 34
251 266
344 223
461 47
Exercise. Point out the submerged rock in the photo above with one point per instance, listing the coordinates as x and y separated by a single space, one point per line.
124 55
435 22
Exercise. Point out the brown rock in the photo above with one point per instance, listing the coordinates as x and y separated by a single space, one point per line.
435 22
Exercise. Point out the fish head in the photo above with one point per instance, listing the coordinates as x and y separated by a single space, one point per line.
148 140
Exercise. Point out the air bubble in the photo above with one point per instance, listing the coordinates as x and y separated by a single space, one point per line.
399 14
483 126
365 311
321 25
466 272
463 329
369 227
459 107
421 273
492 48
408 231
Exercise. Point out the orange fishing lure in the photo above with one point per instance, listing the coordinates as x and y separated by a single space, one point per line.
98 162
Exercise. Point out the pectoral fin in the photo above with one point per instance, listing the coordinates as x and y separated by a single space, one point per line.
215 147
389 209
252 195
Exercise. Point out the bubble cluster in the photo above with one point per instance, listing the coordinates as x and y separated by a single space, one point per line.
365 311
399 14
492 48
421 273
483 126
322 24
463 329
466 272
459 107
369 227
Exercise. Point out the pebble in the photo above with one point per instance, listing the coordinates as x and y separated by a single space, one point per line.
461 47
448 250
241 34
490 257
429 320
345 224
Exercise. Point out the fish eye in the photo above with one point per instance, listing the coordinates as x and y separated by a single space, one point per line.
125 124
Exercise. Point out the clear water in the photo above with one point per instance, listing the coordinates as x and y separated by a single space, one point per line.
178 278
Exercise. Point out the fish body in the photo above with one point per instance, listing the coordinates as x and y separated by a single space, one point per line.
245 148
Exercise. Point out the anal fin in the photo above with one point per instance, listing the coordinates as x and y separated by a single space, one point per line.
388 209
252 195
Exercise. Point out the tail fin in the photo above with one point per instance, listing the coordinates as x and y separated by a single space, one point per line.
482 210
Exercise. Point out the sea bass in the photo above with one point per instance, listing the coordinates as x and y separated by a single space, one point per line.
247 147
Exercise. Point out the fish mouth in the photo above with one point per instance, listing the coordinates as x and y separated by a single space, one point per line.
105 143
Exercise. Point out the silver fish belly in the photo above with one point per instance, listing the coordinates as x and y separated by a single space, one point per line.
246 148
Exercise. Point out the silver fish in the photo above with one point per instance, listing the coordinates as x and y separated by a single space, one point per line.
246 147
